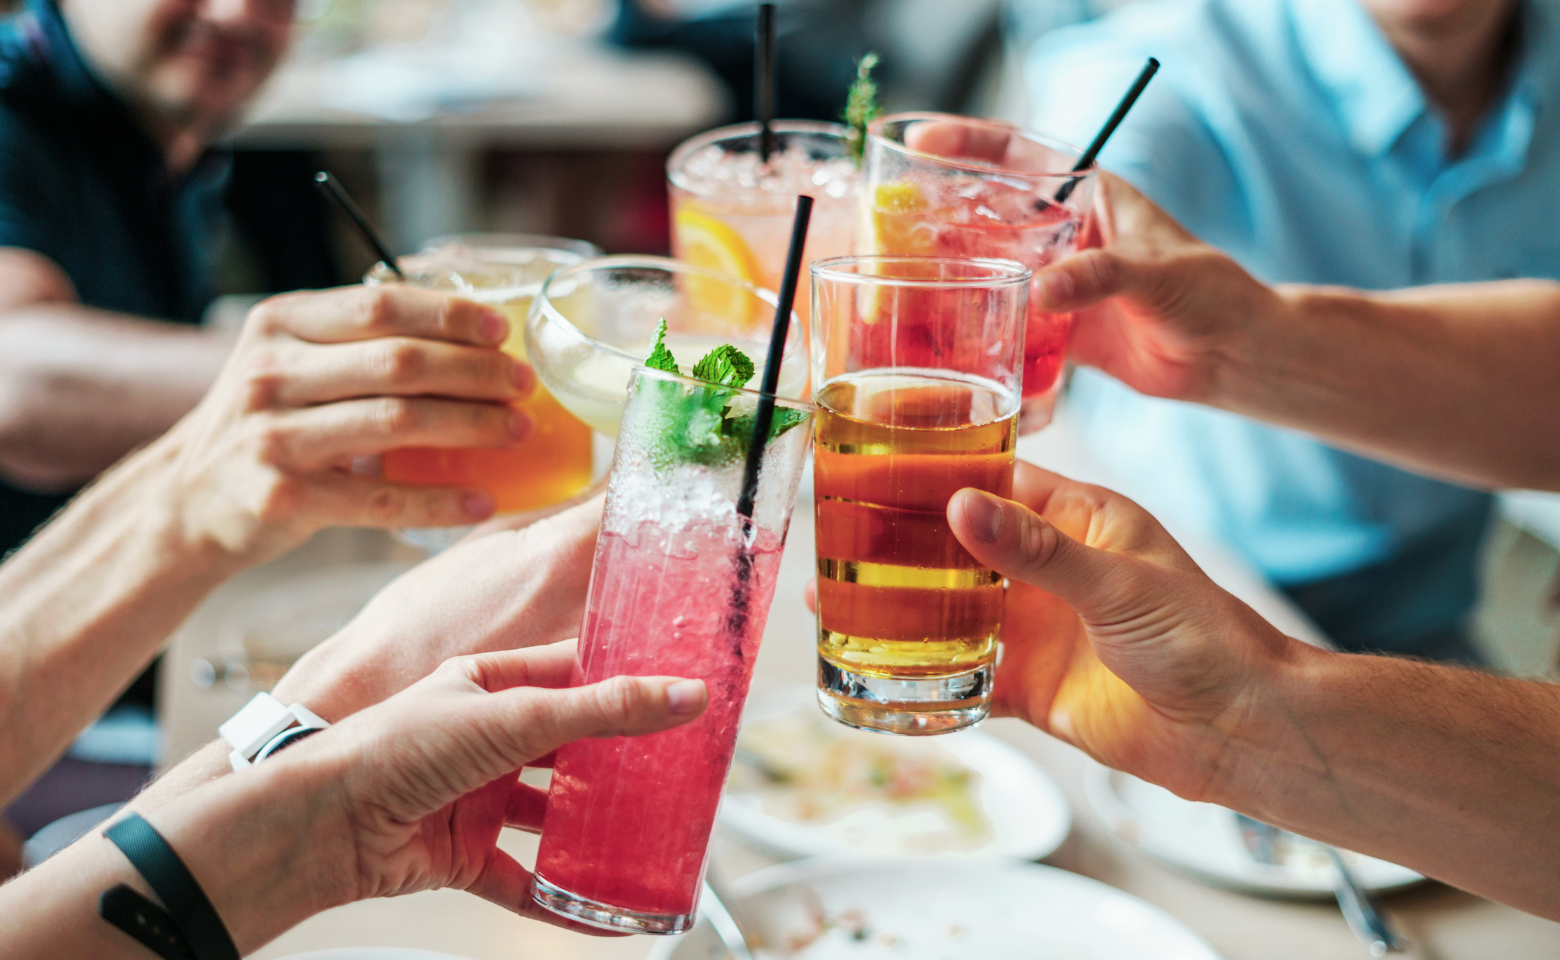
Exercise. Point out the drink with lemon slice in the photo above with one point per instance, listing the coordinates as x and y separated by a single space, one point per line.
592 323
731 212
936 185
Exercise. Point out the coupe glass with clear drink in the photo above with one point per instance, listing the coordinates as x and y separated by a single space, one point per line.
990 191
593 323
553 464
732 212
917 366
681 587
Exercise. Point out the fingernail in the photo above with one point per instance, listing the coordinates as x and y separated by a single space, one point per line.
983 513
494 328
519 424
479 505
685 697
1056 288
523 377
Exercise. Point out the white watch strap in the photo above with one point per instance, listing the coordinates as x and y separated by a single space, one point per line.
261 719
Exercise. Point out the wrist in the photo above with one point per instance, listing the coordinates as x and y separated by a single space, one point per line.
1267 752
170 515
268 846
1239 358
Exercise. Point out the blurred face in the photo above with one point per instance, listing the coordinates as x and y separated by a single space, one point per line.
196 63
1436 16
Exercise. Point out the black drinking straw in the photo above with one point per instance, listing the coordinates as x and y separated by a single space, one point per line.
764 80
764 417
1090 155
333 189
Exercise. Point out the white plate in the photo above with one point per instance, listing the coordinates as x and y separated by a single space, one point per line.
1202 840
934 910
371 953
1027 813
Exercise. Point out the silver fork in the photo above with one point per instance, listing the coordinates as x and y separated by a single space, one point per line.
1360 909
725 915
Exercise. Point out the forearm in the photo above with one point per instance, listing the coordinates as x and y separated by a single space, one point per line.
80 388
89 601
264 847
1452 772
1454 381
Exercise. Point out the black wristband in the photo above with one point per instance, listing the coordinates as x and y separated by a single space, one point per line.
146 922
192 912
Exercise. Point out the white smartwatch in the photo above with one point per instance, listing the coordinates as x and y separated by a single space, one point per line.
266 726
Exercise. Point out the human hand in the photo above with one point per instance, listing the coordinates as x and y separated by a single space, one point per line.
1158 309
427 779
502 590
408 795
1112 638
319 379
984 141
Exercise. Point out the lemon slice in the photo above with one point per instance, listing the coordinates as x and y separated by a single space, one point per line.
897 210
891 226
707 242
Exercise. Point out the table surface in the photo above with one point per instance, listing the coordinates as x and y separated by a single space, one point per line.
1444 924
588 96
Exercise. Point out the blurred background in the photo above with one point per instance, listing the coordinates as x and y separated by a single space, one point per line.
556 117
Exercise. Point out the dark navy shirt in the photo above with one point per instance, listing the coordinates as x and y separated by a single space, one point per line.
83 184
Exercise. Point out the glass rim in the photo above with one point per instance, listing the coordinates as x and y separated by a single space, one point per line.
998 272
674 162
543 302
640 370
875 133
498 242
409 263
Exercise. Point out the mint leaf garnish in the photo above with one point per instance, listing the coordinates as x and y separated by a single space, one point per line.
660 357
710 424
861 107
725 365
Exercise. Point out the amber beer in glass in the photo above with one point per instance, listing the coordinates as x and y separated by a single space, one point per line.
918 366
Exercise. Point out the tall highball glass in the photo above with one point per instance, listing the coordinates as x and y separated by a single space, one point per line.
681 587
917 367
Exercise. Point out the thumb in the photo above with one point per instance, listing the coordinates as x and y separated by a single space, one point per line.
1086 278
1019 544
543 720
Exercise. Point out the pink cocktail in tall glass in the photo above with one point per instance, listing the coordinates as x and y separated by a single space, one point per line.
681 587
937 185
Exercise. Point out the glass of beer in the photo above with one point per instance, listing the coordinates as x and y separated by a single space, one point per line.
557 461
917 373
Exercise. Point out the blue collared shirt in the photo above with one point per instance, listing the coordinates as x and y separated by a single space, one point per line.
1290 134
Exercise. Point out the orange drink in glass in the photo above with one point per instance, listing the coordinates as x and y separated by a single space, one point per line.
556 462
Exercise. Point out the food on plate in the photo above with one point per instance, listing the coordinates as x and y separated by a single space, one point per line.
805 769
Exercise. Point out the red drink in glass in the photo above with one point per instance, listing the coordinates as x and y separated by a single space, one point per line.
919 204
642 848
681 587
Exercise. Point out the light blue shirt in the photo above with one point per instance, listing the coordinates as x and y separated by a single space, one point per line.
1290 134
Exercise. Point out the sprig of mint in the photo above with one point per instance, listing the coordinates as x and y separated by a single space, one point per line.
705 425
861 106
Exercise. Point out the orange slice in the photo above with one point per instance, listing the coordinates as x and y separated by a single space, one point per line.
705 241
